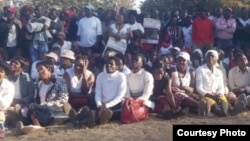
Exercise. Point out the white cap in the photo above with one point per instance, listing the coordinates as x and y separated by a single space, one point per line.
68 54
184 55
52 55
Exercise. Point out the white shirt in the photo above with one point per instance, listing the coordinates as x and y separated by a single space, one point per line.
140 85
75 82
66 46
17 88
238 79
7 91
208 81
187 33
110 88
136 26
88 30
43 91
125 30
11 42
59 71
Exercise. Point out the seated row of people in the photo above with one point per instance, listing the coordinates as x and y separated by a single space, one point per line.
89 99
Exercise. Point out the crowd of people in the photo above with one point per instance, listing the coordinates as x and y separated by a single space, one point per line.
54 62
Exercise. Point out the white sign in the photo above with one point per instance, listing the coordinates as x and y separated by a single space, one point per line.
117 45
152 28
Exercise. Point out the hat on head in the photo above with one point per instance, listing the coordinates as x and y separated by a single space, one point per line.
52 55
5 66
199 52
184 55
69 13
229 9
89 6
176 48
12 10
68 54
214 52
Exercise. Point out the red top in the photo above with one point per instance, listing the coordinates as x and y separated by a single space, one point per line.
202 31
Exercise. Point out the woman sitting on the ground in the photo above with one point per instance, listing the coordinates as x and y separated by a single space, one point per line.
162 95
140 82
80 82
7 92
51 96
24 89
182 83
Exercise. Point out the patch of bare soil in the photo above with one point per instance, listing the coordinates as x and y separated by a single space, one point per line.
152 129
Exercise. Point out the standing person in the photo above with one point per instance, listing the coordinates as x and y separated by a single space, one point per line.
202 31
187 32
225 27
38 25
90 30
10 36
134 24
120 30
56 24
242 32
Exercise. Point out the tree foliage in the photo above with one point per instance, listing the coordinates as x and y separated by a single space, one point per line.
62 4
191 5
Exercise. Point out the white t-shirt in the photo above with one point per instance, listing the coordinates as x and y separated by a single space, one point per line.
123 31
75 82
11 42
187 33
43 91
136 26
65 46
88 30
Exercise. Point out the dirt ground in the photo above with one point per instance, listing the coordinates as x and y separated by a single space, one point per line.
152 129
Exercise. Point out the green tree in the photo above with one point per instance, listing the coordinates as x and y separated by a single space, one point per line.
191 5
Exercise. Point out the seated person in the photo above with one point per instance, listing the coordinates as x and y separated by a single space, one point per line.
109 92
182 83
24 89
140 82
162 95
80 82
122 67
210 85
67 58
51 96
7 92
238 80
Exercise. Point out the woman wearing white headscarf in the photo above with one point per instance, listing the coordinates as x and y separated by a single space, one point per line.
210 85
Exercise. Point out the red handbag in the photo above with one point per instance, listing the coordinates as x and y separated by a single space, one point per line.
133 111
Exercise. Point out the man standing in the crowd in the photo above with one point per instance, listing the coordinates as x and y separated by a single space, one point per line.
225 27
38 25
90 30
202 31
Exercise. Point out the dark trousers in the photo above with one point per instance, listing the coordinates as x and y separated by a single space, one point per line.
115 109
